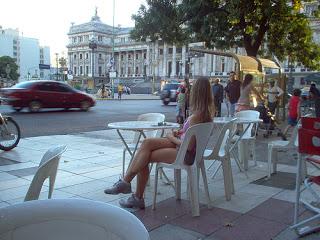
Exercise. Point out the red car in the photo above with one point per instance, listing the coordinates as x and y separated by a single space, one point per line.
45 94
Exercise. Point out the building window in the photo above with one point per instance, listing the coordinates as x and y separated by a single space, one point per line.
100 70
121 57
100 56
80 56
129 56
129 70
87 56
179 50
75 56
80 39
81 70
137 70
75 70
121 71
122 40
144 56
170 50
161 51
87 70
74 39
137 56
100 38
86 38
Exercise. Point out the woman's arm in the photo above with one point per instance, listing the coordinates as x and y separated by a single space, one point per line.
173 139
256 92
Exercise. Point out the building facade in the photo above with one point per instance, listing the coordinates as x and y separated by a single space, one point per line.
27 52
91 53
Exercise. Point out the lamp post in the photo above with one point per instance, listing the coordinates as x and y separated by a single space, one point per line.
112 67
57 64
93 46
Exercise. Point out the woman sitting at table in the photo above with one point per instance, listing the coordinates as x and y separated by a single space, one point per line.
164 149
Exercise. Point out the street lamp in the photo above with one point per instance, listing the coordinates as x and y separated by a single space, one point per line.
93 46
57 62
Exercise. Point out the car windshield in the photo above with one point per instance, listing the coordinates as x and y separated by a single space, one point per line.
23 85
170 86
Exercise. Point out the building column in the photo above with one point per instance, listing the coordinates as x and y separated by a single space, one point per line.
174 61
126 64
183 59
156 57
164 66
119 64
147 61
204 65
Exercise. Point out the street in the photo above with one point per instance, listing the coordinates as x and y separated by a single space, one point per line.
55 122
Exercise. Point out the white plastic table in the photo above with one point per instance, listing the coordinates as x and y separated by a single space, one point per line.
141 127
248 122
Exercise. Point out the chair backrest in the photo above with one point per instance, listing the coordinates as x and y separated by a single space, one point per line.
224 138
252 115
154 117
293 141
69 219
201 132
47 168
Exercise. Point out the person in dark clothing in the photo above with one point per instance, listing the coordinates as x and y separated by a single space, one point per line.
315 95
217 92
232 92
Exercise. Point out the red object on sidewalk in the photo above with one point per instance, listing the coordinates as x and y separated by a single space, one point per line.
309 136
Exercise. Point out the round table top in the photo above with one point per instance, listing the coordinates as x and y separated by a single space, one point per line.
241 120
142 125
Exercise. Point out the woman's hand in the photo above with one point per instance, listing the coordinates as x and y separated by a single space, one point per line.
173 139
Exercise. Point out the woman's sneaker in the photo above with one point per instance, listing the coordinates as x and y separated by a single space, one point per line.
119 187
132 202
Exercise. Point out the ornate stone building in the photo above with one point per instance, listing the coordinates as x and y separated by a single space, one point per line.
90 50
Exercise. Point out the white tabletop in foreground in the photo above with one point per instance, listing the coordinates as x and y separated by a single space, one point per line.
142 125
223 120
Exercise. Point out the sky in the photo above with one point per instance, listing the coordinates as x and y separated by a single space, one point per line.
49 21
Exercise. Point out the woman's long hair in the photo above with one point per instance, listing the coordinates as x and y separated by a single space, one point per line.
201 99
247 80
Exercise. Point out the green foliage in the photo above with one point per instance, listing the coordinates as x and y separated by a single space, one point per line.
8 64
256 25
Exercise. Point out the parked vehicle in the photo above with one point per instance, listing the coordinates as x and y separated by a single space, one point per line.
36 95
169 93
9 133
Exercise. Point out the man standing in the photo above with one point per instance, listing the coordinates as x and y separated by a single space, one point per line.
274 93
217 92
120 90
232 92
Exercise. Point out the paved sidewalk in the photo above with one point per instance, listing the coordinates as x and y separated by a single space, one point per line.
93 161
132 97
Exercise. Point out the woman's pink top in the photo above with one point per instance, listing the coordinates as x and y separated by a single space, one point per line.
293 107
184 129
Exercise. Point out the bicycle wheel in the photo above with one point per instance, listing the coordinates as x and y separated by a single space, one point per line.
9 134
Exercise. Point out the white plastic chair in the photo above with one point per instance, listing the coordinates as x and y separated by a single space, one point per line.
221 153
279 145
247 143
47 169
69 219
154 117
201 132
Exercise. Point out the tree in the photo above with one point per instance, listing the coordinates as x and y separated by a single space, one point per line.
252 24
8 66
63 65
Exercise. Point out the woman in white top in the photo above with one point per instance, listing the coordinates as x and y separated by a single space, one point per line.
245 92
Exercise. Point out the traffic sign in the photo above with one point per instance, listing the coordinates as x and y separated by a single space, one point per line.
44 66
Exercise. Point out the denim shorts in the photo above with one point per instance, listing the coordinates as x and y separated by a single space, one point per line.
292 121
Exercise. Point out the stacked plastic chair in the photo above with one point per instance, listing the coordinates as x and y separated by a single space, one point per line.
309 152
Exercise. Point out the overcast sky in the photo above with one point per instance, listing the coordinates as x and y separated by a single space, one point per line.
49 21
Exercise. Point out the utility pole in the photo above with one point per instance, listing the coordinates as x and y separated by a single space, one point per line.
112 56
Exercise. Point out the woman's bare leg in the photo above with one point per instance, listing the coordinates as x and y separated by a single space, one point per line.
167 155
142 157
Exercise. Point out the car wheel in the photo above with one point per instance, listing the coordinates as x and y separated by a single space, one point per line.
84 105
34 106
165 102
17 109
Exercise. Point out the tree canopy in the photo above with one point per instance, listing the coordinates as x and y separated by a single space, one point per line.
8 66
262 27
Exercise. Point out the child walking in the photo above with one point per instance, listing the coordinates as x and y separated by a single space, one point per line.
293 111
181 105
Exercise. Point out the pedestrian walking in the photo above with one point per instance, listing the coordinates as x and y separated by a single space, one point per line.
217 92
247 88
181 103
315 95
274 94
293 111
232 92
120 91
